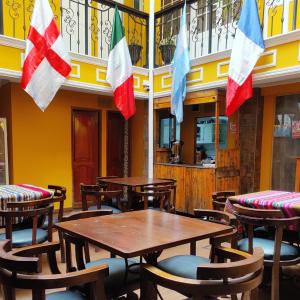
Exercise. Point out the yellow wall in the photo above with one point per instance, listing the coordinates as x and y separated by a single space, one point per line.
41 142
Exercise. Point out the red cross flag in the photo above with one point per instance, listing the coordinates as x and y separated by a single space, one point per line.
46 64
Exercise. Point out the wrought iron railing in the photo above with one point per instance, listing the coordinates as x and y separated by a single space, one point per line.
86 25
212 24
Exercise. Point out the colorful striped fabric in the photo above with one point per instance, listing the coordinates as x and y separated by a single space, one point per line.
21 192
288 202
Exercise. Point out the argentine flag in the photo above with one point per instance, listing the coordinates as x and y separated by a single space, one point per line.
247 47
180 68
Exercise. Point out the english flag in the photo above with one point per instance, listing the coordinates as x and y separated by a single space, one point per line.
46 64
119 69
247 47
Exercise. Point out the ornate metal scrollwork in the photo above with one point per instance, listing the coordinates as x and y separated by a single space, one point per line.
68 17
94 28
107 31
14 8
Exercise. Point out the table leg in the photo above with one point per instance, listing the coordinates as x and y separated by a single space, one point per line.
193 248
151 258
130 197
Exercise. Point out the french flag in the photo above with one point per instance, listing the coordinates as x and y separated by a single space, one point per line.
247 47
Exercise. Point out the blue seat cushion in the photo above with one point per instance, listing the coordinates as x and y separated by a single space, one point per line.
117 270
183 265
22 238
66 295
264 232
287 252
114 210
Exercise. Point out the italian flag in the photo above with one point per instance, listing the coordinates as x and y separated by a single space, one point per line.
119 69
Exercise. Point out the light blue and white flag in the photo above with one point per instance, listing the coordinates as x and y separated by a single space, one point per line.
180 68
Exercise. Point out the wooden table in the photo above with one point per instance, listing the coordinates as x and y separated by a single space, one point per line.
133 182
141 233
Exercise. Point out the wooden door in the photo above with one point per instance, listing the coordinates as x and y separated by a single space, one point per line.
85 149
115 144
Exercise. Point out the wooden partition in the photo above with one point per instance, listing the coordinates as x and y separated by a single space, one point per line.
194 185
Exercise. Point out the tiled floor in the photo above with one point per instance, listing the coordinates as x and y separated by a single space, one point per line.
289 290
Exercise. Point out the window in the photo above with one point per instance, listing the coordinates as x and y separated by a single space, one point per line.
136 4
286 142
169 130
205 137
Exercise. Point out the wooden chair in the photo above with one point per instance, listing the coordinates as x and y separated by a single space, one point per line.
120 279
15 264
58 197
77 216
186 265
242 275
99 196
276 252
169 187
156 199
219 217
219 199
30 234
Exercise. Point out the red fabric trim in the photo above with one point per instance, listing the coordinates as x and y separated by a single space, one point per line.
42 49
45 193
236 95
124 98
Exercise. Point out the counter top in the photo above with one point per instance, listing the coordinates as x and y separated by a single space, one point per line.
205 166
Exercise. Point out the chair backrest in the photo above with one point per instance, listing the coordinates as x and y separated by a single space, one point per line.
15 264
220 217
219 199
27 211
60 195
162 197
81 246
216 216
97 193
241 275
252 217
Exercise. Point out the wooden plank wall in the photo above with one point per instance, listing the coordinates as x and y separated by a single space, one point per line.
194 185
228 170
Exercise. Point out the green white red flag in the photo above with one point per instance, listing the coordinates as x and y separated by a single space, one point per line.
119 69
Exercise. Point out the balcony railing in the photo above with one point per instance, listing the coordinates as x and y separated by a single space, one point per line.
212 24
86 26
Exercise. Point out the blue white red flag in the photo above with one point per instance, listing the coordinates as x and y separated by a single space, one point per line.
180 68
247 47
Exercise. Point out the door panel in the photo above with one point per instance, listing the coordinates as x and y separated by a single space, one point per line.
115 144
85 144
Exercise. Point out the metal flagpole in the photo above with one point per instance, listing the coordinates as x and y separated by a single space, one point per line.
151 92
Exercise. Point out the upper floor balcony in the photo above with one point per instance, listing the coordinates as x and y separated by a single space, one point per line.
86 25
212 24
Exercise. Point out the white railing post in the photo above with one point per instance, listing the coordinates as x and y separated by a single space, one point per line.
151 92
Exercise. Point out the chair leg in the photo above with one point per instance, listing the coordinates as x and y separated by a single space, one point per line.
246 296
62 247
275 282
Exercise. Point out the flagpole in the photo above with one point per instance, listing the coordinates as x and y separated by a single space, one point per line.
151 92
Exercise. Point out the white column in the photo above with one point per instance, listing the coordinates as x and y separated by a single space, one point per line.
150 101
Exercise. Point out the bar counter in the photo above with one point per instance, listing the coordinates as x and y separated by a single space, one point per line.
196 183
206 166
